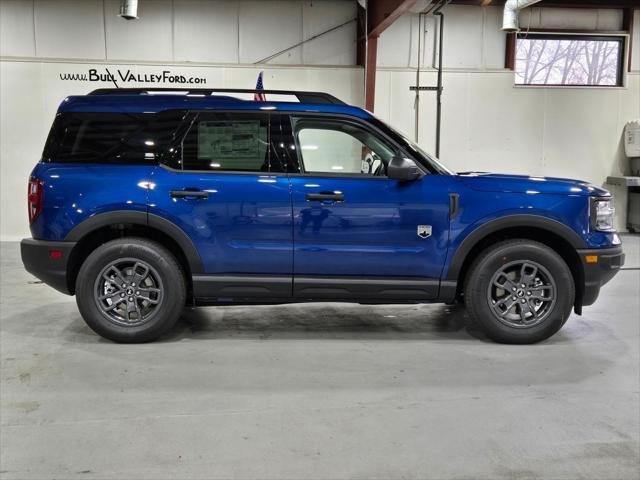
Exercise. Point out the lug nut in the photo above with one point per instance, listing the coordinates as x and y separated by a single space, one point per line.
522 301
513 298
138 293
122 295
131 299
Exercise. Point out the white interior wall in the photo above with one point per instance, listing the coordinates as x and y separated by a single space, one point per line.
398 45
210 31
570 18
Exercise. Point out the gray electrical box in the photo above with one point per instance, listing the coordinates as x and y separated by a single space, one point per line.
633 214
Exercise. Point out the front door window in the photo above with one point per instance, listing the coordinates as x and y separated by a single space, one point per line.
335 147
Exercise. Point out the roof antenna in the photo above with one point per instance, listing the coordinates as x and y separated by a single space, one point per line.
112 77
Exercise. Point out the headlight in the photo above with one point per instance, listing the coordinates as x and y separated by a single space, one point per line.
601 213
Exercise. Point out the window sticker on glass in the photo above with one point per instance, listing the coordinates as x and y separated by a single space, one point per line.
222 140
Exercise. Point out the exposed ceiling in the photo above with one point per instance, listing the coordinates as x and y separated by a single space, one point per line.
561 3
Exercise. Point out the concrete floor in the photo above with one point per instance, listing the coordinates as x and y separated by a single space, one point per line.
317 391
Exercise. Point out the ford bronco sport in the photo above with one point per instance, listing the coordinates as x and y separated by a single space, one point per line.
145 201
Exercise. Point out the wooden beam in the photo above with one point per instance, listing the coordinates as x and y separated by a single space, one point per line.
370 73
361 36
382 13
510 55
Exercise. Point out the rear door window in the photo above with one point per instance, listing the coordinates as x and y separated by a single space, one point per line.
227 142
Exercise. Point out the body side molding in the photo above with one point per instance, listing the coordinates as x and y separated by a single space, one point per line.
140 218
311 287
241 286
99 220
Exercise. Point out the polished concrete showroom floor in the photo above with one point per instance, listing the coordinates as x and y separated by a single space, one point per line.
318 391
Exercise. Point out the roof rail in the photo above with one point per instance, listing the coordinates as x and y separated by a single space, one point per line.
303 97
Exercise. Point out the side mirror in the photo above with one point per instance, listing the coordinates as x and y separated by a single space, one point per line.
403 169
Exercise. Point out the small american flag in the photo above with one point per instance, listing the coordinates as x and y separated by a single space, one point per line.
259 96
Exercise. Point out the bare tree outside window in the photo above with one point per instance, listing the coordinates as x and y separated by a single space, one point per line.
568 60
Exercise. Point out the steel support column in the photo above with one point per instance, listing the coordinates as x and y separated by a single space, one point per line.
380 15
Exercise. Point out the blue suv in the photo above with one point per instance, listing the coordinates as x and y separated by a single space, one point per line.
146 201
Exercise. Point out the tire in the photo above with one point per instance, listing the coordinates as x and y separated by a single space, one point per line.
118 310
505 266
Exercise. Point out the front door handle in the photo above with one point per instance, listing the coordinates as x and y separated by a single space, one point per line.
325 196
189 194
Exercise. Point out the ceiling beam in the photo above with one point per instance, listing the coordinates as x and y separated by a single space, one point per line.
382 13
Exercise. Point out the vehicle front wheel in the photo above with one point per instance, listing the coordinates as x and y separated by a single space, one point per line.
130 290
519 291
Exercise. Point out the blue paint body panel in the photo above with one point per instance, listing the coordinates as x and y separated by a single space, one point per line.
253 223
492 196
74 193
374 231
244 226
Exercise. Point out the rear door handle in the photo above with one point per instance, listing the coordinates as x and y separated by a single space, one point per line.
189 194
325 196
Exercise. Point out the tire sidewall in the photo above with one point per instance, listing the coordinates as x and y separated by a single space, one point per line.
482 274
167 312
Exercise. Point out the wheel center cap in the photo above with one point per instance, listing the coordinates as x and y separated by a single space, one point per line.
129 291
521 293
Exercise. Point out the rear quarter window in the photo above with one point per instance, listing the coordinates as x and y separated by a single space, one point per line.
123 138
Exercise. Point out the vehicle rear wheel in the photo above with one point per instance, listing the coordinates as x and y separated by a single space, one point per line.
519 291
130 290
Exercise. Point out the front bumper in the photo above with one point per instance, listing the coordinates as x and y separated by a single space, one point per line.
599 266
40 260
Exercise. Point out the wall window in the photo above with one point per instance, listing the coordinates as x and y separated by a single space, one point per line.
545 59
340 147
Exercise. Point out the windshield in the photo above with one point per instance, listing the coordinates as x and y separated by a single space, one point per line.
433 165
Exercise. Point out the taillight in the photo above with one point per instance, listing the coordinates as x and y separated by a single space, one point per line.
34 198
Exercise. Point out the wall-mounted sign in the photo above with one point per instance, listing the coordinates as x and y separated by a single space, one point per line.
127 77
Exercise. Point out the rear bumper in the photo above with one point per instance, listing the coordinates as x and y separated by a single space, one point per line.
609 261
39 261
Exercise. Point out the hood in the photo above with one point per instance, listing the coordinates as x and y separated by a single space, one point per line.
493 182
